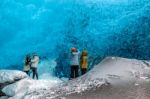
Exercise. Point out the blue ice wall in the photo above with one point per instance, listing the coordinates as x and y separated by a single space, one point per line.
51 27
30 26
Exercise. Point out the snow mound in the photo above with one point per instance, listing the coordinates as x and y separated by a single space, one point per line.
110 72
19 89
8 76
71 87
113 68
127 78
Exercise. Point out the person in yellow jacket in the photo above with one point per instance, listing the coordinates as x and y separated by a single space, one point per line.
84 62
27 64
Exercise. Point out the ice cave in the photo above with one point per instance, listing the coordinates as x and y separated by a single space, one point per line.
50 28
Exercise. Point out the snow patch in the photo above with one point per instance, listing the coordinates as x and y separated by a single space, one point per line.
19 89
11 75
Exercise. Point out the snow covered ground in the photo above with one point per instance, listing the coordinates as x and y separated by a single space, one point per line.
129 79
113 78
16 83
21 88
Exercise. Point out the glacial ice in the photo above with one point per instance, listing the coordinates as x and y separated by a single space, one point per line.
52 27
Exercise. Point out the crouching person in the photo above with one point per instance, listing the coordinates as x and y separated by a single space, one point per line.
84 62
34 65
27 64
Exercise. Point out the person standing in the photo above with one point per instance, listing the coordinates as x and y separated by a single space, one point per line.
27 64
84 62
74 62
34 65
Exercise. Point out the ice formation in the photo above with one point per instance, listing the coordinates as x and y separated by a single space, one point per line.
52 27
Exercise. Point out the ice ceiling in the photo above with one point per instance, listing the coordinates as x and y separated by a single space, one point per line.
51 27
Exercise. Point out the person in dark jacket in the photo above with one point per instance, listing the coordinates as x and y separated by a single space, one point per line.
27 64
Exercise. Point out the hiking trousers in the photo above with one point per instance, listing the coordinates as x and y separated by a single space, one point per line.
74 71
83 71
35 73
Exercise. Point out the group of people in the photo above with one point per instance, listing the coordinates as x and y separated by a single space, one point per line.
30 64
76 63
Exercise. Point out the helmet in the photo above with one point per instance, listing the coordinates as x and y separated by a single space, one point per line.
73 49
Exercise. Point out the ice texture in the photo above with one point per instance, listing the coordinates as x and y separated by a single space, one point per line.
9 76
52 27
